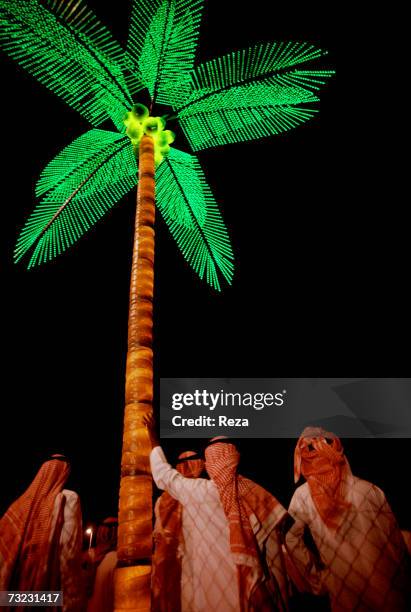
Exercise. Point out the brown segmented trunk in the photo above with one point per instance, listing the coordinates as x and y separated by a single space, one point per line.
132 579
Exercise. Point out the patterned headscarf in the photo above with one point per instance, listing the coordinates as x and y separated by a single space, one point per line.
166 568
243 500
27 546
190 468
319 457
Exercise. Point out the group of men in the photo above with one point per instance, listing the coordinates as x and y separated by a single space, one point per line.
222 542
233 547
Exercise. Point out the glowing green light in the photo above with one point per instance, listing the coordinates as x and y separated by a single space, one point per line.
68 50
80 185
162 42
191 213
140 111
264 90
138 122
251 93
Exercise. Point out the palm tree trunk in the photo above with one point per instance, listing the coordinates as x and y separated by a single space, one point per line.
132 579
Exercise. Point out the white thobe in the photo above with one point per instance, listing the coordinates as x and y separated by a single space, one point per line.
364 560
208 572
70 543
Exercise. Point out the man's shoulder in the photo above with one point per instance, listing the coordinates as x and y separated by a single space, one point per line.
204 483
366 488
202 489
69 494
71 498
302 491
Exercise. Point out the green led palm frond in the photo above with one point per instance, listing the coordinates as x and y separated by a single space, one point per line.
190 211
78 193
246 113
68 50
252 93
80 156
165 51
142 14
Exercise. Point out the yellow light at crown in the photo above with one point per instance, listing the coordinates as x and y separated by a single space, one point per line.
138 122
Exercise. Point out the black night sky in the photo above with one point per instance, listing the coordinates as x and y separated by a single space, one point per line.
320 280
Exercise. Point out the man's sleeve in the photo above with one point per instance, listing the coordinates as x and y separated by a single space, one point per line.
299 560
386 522
168 479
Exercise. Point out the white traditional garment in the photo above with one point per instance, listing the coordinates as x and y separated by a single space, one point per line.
210 576
363 563
70 544
168 541
208 573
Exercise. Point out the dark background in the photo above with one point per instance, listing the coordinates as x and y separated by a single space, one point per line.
319 290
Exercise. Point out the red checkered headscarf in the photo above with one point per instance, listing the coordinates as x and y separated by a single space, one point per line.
166 568
190 468
27 546
319 457
243 500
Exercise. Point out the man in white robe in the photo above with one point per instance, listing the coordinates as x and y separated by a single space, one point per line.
169 541
213 563
361 559
209 574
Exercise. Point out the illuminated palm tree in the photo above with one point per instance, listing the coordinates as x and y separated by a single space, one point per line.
247 94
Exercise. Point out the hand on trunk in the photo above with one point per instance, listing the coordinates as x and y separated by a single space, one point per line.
149 422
